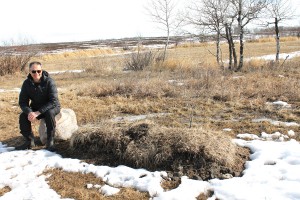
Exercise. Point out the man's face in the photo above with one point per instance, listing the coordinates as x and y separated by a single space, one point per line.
36 72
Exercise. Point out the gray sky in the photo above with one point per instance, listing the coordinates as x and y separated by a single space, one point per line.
77 20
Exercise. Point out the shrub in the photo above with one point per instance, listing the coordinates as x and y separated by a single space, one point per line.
138 61
14 59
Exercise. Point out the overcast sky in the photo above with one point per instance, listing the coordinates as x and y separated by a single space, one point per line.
77 20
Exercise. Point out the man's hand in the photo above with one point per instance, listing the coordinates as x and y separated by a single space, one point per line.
33 115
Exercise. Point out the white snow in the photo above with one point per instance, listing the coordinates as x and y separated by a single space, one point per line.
67 71
10 90
291 133
275 122
133 118
272 56
281 56
279 104
108 190
272 173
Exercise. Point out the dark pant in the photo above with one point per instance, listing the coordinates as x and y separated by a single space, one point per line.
49 115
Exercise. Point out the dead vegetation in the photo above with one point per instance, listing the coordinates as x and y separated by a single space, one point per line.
4 190
63 183
187 90
189 151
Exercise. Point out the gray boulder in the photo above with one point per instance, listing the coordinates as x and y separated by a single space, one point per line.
66 125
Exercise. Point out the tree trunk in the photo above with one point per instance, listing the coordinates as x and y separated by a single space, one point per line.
241 36
277 40
218 47
241 62
233 50
229 46
166 45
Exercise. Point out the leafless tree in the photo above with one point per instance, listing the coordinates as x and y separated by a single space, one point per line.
247 11
163 12
279 10
209 15
14 56
228 23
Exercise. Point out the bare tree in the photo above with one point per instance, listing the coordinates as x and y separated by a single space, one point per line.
228 23
209 15
279 10
163 12
14 56
247 11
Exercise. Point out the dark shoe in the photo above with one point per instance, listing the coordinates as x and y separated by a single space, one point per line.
28 144
38 142
50 145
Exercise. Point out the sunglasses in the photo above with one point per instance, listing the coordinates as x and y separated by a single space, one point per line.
36 71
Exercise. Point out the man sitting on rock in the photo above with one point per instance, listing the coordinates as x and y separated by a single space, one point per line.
40 91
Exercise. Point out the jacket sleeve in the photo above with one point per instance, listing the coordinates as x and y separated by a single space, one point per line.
24 100
52 98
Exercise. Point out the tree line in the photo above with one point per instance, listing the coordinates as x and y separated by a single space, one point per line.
219 18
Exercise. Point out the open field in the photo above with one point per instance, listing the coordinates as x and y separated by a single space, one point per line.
187 92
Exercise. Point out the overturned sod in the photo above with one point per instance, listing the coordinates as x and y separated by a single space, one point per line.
195 152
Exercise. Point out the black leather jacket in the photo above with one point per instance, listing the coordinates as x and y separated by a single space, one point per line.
43 96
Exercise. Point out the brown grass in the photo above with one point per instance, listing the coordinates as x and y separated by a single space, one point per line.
272 39
77 53
200 95
73 185
4 190
150 146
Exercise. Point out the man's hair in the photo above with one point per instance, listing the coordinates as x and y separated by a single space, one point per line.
34 63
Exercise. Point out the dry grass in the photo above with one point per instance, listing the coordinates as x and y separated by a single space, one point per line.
150 146
4 190
188 88
77 54
65 185
272 39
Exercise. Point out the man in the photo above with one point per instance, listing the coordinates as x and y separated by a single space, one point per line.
40 90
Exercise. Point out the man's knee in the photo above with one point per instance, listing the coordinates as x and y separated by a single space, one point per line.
51 113
23 117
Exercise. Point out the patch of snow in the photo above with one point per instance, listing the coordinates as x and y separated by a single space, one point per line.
12 90
108 190
238 77
248 136
67 71
133 118
175 82
291 133
188 189
281 103
276 123
272 56
227 129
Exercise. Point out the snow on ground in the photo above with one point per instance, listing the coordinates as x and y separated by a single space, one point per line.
67 71
281 56
272 57
275 122
272 173
10 90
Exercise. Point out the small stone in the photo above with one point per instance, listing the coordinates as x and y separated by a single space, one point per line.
227 176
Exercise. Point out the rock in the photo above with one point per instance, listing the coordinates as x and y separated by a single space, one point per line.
226 176
66 125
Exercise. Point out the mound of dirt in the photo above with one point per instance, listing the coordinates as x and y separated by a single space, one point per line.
197 153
